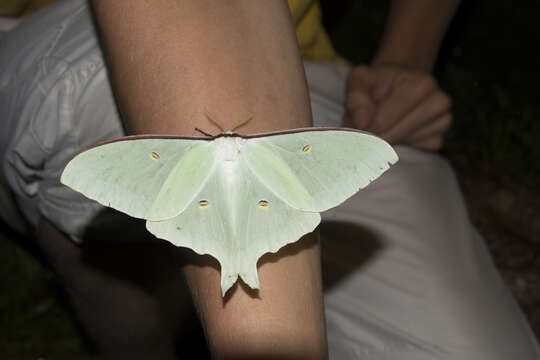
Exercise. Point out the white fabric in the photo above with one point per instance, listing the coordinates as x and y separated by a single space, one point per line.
406 275
7 23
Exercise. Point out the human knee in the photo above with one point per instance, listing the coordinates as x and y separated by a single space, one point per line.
416 167
427 180
116 313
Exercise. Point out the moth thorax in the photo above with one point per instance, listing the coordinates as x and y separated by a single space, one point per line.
228 147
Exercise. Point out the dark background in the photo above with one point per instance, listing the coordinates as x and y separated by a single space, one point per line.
488 64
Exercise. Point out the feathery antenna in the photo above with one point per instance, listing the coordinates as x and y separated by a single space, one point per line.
242 122
213 119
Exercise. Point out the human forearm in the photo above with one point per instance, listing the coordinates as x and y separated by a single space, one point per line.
395 96
413 33
172 60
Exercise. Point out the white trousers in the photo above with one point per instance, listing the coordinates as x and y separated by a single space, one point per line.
406 275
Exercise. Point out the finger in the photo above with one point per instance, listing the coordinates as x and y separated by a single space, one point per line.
433 143
347 122
362 117
436 127
383 87
359 98
360 107
434 106
360 78
359 88
409 90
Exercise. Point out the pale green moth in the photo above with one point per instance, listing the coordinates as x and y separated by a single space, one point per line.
230 196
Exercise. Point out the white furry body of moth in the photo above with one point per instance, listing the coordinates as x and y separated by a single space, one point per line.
233 197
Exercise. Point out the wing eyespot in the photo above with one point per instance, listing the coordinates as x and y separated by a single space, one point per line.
306 148
204 204
263 205
154 155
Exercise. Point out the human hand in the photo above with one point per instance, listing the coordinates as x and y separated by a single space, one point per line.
400 105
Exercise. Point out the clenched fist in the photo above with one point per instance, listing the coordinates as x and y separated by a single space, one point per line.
401 105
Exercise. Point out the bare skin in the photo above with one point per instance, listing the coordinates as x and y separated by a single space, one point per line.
396 97
171 62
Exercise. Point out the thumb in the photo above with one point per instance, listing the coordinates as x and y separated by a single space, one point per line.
361 117
360 108
347 122
382 88
360 104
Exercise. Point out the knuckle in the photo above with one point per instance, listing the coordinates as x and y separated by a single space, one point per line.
447 122
432 144
426 83
361 69
356 99
438 143
416 83
378 125
402 77
350 100
444 100
358 72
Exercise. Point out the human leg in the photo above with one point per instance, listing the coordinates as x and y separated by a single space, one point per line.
71 87
428 289
130 297
406 274
259 74
276 322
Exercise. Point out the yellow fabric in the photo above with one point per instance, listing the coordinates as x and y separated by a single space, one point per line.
12 7
35 5
16 8
312 38
306 14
